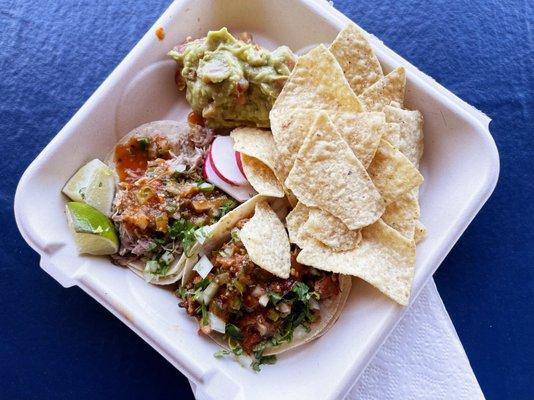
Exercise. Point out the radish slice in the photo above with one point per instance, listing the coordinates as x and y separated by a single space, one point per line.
239 163
240 193
224 162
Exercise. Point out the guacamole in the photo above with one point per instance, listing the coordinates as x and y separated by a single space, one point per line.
231 82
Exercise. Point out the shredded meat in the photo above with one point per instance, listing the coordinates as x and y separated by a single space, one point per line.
327 286
150 195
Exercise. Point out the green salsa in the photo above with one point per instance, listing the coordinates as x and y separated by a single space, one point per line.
231 82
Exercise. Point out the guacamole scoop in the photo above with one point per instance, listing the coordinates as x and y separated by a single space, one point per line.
231 82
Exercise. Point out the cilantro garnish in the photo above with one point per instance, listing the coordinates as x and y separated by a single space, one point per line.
233 331
226 207
143 143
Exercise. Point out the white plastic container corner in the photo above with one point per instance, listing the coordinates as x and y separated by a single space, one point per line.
460 166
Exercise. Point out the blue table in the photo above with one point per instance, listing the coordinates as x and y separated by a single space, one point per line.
58 343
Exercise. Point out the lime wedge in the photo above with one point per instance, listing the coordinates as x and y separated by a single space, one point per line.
92 184
93 232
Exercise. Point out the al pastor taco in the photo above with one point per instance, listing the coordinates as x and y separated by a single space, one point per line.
258 310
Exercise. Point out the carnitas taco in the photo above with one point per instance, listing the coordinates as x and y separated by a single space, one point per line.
162 204
248 292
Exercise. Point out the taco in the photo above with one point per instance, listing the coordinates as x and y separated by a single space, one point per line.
162 205
253 310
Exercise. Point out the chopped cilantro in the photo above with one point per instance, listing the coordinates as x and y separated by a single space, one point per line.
179 227
222 353
274 297
235 347
188 240
235 235
259 358
185 231
203 284
204 312
143 143
301 290
152 246
256 364
181 292
226 207
233 331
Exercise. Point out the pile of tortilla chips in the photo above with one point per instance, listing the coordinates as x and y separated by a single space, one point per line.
346 154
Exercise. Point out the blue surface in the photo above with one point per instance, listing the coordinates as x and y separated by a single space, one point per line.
58 343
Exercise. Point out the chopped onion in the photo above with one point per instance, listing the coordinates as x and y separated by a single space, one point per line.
176 165
216 323
284 308
209 292
206 187
167 257
314 304
258 291
203 266
263 300
201 234
151 266
180 168
299 332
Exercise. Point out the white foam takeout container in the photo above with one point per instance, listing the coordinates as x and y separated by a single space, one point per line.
460 166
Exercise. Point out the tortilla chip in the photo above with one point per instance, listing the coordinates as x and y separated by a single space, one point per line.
384 258
257 143
295 220
388 89
289 128
261 177
403 214
266 241
327 174
410 140
317 82
420 232
356 57
391 133
392 173
362 132
330 231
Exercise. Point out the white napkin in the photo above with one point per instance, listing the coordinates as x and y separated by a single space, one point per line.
422 359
